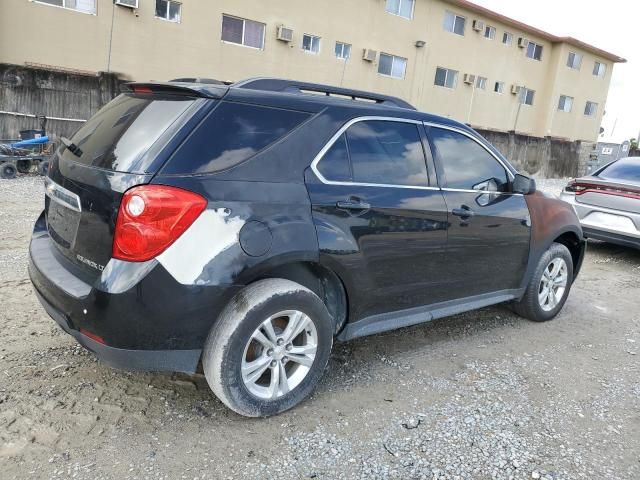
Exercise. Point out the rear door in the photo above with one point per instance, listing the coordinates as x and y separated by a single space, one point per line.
489 227
380 218
121 146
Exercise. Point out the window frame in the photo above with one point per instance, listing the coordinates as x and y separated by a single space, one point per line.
413 9
166 17
492 32
433 172
601 67
393 60
481 83
591 112
500 90
523 94
455 82
507 35
313 39
244 22
455 18
572 65
564 104
343 45
536 45
95 6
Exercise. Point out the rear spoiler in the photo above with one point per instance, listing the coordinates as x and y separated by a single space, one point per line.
176 88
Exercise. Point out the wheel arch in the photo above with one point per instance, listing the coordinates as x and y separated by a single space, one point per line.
575 246
321 280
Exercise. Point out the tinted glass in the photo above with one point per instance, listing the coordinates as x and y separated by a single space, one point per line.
232 133
385 64
624 170
466 164
161 8
119 135
232 29
334 165
387 153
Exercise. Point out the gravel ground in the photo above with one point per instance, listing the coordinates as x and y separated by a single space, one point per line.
481 395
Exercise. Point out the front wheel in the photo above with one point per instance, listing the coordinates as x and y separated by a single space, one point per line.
269 347
549 286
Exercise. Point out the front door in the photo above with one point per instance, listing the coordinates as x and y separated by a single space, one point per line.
381 224
489 227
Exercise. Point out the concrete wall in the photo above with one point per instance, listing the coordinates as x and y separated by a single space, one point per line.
67 96
542 157
142 47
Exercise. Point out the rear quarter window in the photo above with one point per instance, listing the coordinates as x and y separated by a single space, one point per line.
231 134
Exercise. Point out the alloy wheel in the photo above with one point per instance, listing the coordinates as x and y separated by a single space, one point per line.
553 284
279 354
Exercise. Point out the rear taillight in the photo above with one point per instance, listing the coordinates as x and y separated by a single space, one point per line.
152 217
580 188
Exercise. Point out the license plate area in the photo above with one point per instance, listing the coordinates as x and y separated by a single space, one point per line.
63 214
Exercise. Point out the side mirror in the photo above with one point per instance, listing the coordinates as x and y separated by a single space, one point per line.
524 185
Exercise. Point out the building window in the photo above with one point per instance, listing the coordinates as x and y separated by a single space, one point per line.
599 69
565 104
84 6
402 8
498 87
507 38
311 43
243 32
534 51
590 109
343 50
481 83
168 10
574 60
392 66
446 78
526 96
454 23
489 32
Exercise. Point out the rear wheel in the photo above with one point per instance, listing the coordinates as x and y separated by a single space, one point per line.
549 287
7 170
268 348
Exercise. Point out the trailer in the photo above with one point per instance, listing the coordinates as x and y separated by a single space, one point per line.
25 156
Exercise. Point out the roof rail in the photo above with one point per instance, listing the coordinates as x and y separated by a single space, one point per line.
292 86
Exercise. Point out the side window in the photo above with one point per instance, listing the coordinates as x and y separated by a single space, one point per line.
385 152
466 164
231 134
334 165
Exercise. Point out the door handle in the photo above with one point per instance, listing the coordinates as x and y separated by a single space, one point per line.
353 204
463 212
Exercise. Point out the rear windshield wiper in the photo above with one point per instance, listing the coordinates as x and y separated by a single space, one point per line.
72 147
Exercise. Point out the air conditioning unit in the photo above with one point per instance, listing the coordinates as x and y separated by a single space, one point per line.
515 89
285 34
469 78
127 3
523 42
369 55
478 26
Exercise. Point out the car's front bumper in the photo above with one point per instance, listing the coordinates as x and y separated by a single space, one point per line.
608 225
151 323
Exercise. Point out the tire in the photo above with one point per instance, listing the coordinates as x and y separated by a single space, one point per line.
7 170
533 305
43 168
232 344
24 166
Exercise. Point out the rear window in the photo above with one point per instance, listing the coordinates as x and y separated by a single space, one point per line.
231 134
119 135
623 170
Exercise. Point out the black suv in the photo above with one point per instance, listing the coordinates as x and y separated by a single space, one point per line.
243 227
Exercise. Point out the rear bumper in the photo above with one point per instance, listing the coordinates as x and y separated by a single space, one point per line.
599 223
144 318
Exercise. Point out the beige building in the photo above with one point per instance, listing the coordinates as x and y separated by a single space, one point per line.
449 57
